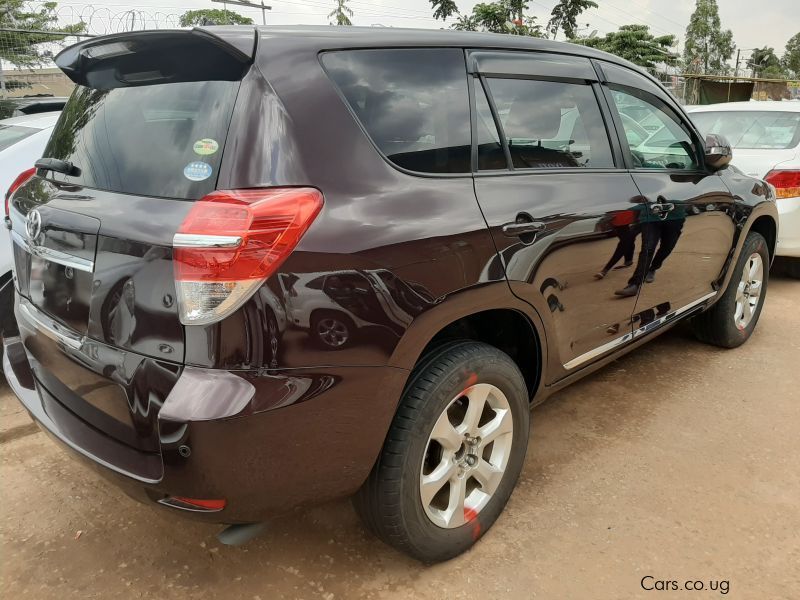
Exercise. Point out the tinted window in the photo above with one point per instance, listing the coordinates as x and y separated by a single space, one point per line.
156 140
11 134
413 103
654 134
550 124
751 129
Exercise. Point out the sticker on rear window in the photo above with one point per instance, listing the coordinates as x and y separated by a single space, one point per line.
206 147
197 171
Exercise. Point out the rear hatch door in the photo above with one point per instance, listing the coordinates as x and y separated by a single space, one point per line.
139 141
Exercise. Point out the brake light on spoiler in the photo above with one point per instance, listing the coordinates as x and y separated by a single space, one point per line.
231 242
786 182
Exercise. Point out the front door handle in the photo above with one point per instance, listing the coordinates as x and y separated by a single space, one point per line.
524 228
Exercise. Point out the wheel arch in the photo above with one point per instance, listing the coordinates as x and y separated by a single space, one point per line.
763 219
489 314
767 227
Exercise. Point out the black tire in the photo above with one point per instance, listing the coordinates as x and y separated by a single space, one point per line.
7 321
389 502
717 325
344 325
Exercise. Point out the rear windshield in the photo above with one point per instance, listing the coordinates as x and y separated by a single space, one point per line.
161 140
11 134
752 129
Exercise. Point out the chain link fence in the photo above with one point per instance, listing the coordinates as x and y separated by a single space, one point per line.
26 58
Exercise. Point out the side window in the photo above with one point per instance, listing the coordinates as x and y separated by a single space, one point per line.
653 132
413 103
491 156
550 124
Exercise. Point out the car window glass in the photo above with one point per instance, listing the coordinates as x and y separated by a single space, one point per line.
490 151
653 133
551 124
413 103
163 140
11 134
752 129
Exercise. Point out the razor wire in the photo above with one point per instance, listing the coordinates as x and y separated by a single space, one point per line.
26 56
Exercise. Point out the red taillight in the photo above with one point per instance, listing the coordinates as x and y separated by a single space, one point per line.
194 503
786 183
231 241
21 180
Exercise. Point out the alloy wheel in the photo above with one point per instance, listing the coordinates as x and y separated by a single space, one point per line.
332 332
466 455
748 293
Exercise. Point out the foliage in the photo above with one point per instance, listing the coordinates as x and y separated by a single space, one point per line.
341 14
78 111
636 44
213 16
565 16
791 58
765 63
444 9
708 47
502 16
22 49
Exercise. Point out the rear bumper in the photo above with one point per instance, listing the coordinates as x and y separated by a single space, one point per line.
789 227
297 438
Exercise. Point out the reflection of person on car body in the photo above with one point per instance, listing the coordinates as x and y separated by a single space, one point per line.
625 227
657 232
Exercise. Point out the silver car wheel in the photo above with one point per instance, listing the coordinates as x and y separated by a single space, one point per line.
332 332
748 293
466 455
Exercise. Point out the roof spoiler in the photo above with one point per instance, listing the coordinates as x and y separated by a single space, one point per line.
160 56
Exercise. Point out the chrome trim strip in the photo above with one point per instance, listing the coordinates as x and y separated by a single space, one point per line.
579 360
48 326
191 240
61 258
652 326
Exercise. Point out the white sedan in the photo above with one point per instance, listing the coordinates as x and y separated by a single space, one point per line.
766 141
22 143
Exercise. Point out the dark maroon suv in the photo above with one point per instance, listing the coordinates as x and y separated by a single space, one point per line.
261 268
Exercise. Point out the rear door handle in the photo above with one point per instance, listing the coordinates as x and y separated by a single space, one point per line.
527 227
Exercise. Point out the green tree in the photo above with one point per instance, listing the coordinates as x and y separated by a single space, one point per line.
213 16
503 16
565 16
708 47
791 58
765 63
24 49
636 44
444 9
341 14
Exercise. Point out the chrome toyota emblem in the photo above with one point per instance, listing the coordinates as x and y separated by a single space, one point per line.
34 224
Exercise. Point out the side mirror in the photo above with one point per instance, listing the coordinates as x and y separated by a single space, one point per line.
718 151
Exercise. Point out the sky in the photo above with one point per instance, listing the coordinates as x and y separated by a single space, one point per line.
771 24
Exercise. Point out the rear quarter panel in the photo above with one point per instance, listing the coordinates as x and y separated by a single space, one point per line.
427 232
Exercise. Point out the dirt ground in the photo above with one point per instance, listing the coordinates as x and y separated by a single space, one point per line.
679 462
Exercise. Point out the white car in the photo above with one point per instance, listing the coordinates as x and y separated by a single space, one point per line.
766 141
22 143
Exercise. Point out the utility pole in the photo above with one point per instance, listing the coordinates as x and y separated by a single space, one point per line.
735 73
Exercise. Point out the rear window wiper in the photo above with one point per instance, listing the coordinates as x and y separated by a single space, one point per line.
58 166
